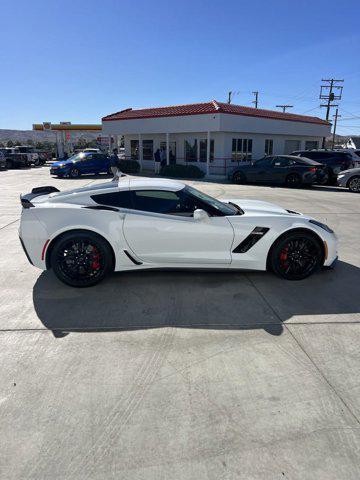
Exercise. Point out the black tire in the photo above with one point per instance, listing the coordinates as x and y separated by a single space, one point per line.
354 184
74 173
239 177
9 164
296 256
293 180
81 259
37 162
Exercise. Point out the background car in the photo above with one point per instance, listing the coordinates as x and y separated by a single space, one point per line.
2 160
335 161
142 223
350 179
281 169
14 159
82 163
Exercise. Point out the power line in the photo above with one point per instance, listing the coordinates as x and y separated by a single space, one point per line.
327 93
256 98
335 123
284 107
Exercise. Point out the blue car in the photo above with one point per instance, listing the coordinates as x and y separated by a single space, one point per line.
81 163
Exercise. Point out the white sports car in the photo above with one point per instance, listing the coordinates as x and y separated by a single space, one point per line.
139 223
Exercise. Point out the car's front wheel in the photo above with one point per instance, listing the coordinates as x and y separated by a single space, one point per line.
74 173
293 180
296 256
81 259
354 184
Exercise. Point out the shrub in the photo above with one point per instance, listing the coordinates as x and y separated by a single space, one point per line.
129 166
182 171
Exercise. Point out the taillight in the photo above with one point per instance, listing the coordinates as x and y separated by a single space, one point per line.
312 169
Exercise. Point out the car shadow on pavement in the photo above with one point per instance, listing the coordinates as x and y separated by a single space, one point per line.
195 299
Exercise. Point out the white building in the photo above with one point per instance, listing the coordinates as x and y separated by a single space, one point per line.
212 135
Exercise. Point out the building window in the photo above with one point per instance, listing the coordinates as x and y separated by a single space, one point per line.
241 149
134 149
203 150
148 149
268 146
311 145
191 151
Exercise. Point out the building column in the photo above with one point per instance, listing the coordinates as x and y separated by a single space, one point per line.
208 154
109 149
140 152
167 149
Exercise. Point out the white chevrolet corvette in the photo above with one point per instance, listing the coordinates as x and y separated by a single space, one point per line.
139 223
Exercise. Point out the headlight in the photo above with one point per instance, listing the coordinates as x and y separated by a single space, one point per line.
341 175
322 225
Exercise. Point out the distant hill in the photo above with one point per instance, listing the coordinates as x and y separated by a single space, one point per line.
36 136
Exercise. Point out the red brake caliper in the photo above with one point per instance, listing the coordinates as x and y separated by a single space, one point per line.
96 259
284 256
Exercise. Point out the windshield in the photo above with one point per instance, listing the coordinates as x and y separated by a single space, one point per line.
78 156
224 208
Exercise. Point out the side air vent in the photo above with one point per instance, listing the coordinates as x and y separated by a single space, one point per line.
251 239
132 258
292 212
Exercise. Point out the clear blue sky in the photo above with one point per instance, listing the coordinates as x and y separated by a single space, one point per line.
79 60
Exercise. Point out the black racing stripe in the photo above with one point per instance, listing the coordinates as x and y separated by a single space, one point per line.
251 239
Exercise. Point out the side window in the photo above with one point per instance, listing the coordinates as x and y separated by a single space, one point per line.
156 201
281 162
264 162
114 199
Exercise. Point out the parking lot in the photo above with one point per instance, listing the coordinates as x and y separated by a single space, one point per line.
181 375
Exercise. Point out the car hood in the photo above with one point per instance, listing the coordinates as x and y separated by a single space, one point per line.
351 171
258 207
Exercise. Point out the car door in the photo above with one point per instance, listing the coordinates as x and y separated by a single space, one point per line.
161 229
87 164
99 163
280 169
260 170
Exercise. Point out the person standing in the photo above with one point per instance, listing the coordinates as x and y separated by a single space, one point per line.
115 165
157 160
163 157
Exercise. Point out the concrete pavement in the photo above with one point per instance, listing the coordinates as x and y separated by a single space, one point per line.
181 375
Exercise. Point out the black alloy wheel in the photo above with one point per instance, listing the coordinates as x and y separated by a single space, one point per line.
74 173
81 259
239 178
297 256
293 180
354 184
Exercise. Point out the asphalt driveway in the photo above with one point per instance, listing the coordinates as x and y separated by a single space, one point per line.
181 375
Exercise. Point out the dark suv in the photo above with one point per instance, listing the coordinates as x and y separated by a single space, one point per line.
334 161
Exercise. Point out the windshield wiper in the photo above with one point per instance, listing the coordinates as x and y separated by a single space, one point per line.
240 211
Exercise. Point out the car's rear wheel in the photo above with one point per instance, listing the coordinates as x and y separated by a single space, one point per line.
9 164
293 180
297 256
74 173
354 184
81 259
239 178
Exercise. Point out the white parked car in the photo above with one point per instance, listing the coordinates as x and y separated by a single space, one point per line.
86 233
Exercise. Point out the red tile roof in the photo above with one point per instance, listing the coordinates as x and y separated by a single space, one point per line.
210 107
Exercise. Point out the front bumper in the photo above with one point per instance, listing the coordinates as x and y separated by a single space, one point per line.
58 171
342 180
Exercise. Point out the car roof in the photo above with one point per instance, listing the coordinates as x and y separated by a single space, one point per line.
144 183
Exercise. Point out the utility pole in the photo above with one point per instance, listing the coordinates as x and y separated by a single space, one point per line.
335 123
284 107
327 93
229 97
256 99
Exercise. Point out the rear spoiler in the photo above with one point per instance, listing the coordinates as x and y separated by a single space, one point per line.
36 192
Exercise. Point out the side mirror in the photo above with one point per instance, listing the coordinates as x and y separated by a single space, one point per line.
200 215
